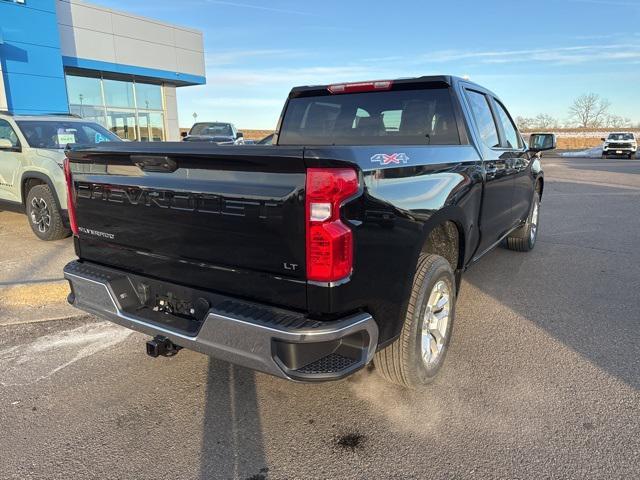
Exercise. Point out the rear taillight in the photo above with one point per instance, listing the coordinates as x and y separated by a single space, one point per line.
329 241
71 199
360 87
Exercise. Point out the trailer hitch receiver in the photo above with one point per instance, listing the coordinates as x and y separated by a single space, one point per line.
162 347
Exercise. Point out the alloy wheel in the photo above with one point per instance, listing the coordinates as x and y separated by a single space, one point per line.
40 214
435 325
534 220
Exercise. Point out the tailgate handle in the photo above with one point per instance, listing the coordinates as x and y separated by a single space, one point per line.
154 163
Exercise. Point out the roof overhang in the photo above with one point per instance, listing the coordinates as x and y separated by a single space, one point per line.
152 75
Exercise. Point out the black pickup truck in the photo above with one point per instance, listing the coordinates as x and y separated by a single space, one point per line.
341 244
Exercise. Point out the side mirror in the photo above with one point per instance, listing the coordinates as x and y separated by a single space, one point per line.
539 142
6 144
184 134
603 139
240 135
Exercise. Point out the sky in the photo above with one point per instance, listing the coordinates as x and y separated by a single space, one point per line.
537 56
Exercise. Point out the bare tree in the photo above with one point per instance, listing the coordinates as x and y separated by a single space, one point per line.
616 121
545 121
589 110
525 123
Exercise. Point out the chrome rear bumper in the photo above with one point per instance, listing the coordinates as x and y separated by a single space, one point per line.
281 343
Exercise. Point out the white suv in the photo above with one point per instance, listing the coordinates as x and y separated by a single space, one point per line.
31 166
623 144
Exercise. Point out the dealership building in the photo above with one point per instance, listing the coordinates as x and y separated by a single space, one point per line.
118 69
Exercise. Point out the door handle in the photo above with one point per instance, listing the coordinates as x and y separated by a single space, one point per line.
491 169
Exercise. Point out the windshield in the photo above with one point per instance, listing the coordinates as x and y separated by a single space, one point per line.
403 117
212 129
54 134
620 136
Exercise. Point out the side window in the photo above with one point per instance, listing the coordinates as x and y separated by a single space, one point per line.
360 114
392 120
484 119
7 133
510 131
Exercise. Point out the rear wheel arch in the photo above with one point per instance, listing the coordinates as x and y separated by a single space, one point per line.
444 235
30 180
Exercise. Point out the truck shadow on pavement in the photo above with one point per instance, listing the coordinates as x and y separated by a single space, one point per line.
579 285
232 444
534 332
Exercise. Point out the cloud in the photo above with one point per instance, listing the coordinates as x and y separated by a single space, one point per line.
257 7
613 3
233 57
557 56
242 102
288 76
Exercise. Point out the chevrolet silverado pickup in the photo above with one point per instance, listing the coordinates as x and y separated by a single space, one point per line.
216 133
620 144
341 244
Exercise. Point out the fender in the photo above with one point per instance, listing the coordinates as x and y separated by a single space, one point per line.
44 178
463 223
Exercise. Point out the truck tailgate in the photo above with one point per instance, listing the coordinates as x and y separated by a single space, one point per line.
225 219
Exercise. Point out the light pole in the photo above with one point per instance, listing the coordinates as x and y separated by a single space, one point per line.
81 106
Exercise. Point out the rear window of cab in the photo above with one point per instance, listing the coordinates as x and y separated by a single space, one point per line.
403 117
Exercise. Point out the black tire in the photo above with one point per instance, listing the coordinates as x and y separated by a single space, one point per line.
402 361
524 238
44 216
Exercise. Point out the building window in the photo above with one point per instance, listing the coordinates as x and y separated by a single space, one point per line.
131 110
149 96
119 94
84 91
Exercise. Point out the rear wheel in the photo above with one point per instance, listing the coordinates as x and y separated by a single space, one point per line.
416 356
524 238
44 216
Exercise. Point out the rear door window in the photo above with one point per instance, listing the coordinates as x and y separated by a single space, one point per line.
403 117
484 118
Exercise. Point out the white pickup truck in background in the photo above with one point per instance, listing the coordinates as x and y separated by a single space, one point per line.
620 144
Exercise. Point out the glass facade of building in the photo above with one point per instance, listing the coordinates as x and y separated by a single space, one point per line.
133 111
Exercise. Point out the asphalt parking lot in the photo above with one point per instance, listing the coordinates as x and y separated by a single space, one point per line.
542 380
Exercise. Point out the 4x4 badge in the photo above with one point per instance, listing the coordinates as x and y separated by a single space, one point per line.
394 158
